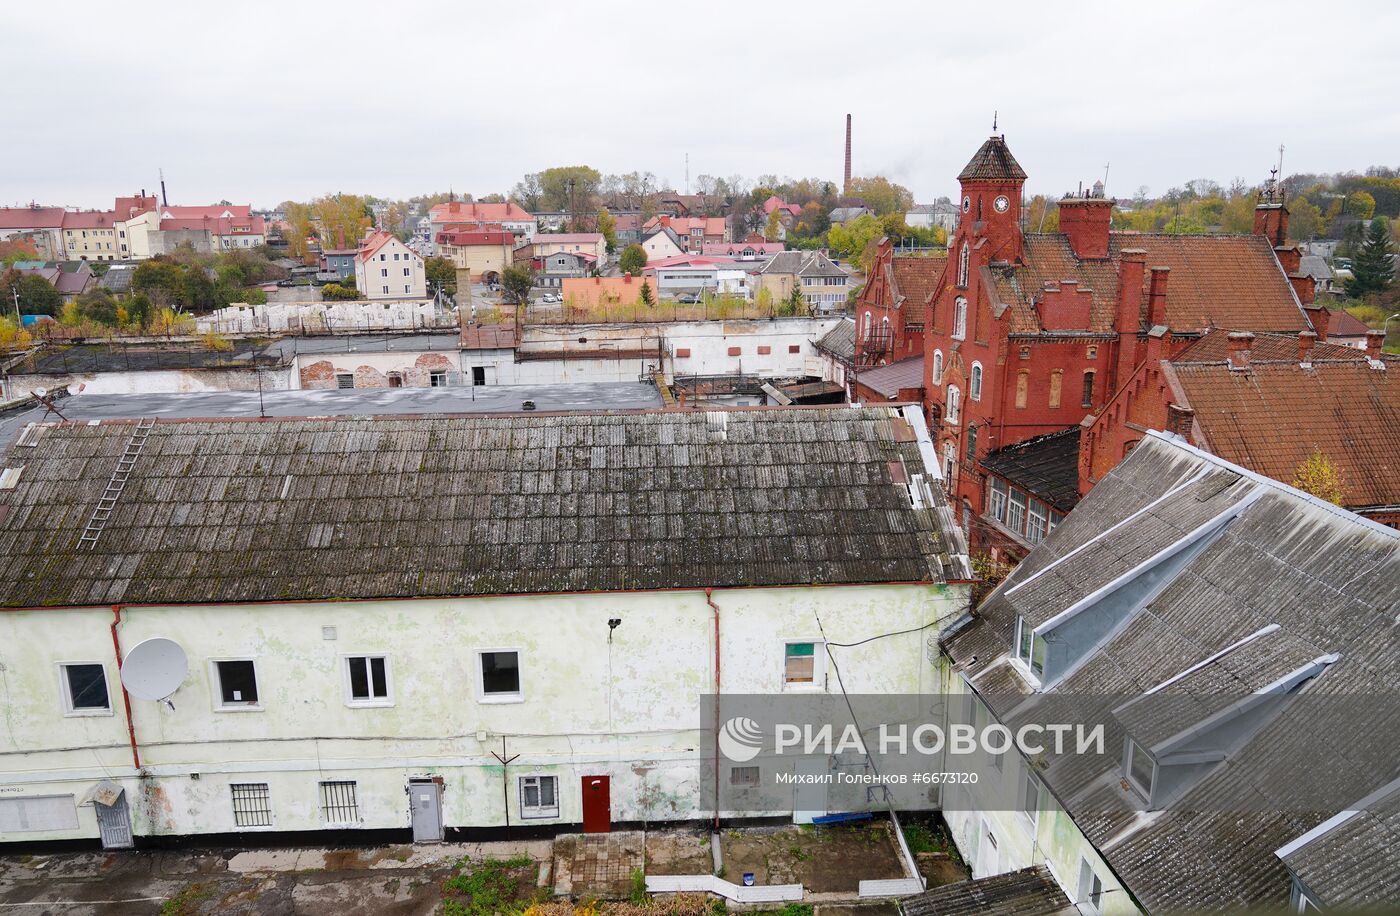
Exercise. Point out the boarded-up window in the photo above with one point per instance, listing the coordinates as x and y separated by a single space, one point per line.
735 351
800 663
1056 381
764 351
682 352
38 812
1023 386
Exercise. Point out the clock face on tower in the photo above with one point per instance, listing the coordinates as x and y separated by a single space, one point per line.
1001 203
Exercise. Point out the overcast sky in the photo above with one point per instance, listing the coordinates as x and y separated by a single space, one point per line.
257 102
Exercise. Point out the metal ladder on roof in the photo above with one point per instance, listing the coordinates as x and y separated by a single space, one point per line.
116 484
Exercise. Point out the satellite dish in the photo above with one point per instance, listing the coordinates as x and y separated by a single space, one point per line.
154 668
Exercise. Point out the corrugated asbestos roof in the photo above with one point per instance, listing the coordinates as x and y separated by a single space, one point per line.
314 509
1028 892
1328 580
840 341
1338 865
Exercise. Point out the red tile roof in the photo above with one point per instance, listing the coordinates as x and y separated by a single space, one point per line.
1273 416
916 279
1225 281
127 207
1342 323
372 243
214 211
736 249
568 238
89 219
457 211
31 217
682 225
469 237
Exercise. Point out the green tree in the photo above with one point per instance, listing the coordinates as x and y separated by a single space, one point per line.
882 195
1304 219
139 310
852 240
197 290
441 272
1373 268
517 281
160 279
607 225
633 259
795 303
646 295
1361 204
99 306
37 296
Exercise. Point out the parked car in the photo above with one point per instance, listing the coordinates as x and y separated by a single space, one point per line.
688 298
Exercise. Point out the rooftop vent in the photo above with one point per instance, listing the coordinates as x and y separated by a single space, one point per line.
527 405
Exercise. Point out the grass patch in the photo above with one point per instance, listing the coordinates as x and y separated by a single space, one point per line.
491 886
186 903
638 892
921 838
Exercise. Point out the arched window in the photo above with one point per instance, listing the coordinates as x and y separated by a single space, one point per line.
867 324
963 257
1057 379
938 367
959 318
1023 387
954 403
949 460
974 385
1088 399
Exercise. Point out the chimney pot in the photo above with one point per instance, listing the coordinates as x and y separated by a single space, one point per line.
1085 222
1306 339
1375 340
1239 344
1320 318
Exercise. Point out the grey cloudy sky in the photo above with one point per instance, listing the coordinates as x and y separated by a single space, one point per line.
260 101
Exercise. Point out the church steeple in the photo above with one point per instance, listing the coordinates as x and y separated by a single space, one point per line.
992 183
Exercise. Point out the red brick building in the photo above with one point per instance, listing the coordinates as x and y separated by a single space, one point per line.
1267 402
1027 334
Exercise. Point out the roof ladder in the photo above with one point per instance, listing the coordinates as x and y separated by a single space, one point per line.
117 484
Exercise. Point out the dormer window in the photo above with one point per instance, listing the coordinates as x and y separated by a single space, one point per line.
1140 768
1030 648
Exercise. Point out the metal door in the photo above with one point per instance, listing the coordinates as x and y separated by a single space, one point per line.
597 805
425 807
809 794
114 823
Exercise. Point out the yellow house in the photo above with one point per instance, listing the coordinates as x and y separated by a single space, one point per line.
481 253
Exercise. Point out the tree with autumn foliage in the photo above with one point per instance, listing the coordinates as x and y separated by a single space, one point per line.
1320 477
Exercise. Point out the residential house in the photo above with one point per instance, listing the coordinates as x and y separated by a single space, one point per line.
308 682
824 284
386 268
552 269
1217 628
69 278
1344 329
1029 333
206 229
91 235
787 214
690 275
842 215
509 216
692 231
1031 487
749 249
1269 402
589 243
942 214
1316 266
628 230
662 243
482 253
42 225
339 261
136 217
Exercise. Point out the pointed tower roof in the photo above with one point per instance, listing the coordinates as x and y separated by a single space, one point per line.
993 162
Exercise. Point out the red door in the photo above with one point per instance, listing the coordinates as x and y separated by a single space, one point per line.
597 809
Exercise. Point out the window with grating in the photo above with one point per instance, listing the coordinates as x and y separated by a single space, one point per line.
338 804
252 806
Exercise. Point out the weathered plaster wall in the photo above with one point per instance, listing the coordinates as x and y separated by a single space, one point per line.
372 370
629 708
151 382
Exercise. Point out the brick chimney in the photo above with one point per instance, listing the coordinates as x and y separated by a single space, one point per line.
1179 420
1375 340
1129 318
1306 339
1085 220
1271 221
1304 287
1239 343
1157 297
1320 318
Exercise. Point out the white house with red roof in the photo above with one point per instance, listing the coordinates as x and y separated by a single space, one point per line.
386 268
509 216
225 227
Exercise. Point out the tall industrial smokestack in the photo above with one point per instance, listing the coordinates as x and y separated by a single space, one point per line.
846 186
164 201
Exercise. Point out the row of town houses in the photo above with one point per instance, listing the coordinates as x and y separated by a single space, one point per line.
136 228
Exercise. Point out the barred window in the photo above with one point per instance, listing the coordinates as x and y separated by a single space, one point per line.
743 776
339 807
252 806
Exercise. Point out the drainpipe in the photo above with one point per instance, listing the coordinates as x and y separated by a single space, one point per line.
126 698
710 600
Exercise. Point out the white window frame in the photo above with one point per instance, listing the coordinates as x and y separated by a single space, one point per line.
65 690
1024 661
952 406
1032 818
1036 511
216 685
371 701
964 256
1087 877
997 498
938 367
950 460
1144 791
974 384
818 681
960 318
517 696
537 812
271 812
